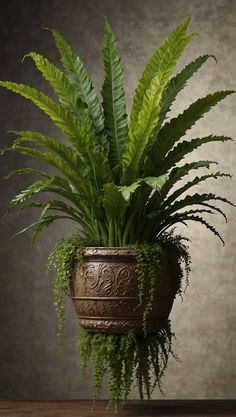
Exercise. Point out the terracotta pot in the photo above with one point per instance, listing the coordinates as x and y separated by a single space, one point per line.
104 290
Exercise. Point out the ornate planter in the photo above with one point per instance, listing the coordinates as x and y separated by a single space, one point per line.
104 290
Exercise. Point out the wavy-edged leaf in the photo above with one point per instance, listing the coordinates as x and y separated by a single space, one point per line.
68 154
216 209
23 171
185 147
61 117
79 79
163 60
197 180
114 202
143 124
113 97
164 211
182 218
57 205
52 159
68 96
41 223
82 140
177 173
196 199
58 185
172 131
35 188
195 211
177 83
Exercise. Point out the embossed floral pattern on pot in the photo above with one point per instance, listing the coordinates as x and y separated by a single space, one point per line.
105 290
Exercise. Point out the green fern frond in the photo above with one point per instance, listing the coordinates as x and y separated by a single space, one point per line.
23 171
52 159
79 79
197 180
119 183
178 173
138 139
57 205
185 147
113 98
57 185
182 218
61 117
146 108
216 209
41 223
82 140
68 96
67 153
177 83
163 59
172 131
35 188
165 209
196 199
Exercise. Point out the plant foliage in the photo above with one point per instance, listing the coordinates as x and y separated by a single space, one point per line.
62 259
122 182
123 357
119 179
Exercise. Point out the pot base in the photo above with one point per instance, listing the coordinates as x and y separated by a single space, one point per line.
111 325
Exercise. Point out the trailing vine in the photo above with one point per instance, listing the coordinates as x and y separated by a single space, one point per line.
124 357
147 267
62 259
148 261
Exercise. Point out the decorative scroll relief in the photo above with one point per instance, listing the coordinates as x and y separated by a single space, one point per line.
107 293
104 279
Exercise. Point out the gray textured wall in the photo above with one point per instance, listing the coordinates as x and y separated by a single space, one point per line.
31 366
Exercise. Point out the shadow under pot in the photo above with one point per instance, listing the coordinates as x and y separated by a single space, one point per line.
104 290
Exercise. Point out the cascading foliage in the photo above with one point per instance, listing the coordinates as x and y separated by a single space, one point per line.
125 358
122 181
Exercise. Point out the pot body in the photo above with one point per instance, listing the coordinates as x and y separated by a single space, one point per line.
104 290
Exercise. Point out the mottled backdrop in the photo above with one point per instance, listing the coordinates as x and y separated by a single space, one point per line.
30 363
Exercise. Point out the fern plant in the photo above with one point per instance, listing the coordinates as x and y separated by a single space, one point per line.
122 181
118 180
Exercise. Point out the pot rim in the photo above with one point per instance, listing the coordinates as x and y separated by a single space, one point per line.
108 251
109 247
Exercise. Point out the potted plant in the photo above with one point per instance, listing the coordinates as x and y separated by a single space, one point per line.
120 183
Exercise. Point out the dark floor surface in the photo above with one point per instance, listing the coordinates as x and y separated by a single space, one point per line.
76 408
